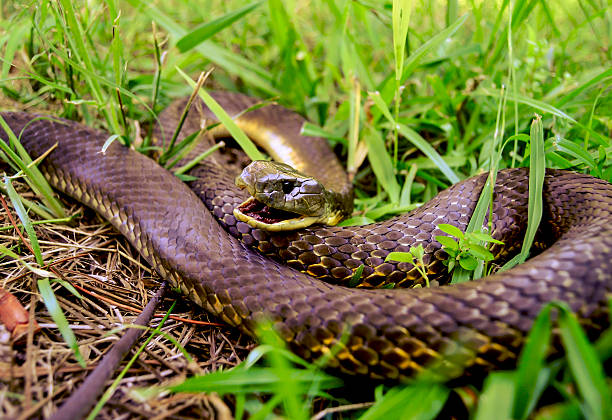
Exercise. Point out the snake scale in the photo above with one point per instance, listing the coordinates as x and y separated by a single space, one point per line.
463 329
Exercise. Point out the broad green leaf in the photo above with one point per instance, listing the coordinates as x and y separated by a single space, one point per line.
451 230
405 257
468 262
481 252
448 242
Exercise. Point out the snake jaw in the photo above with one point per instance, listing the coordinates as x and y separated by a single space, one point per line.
258 215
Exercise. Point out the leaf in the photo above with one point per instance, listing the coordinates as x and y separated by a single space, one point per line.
401 11
530 364
382 164
451 230
415 138
356 277
405 257
485 237
208 29
448 242
585 366
255 379
468 262
496 399
481 252
356 221
228 122
223 57
108 142
59 318
25 220
414 59
421 401
417 251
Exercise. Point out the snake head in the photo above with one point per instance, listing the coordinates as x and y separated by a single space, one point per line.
282 198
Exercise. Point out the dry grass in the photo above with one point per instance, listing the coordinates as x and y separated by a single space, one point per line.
38 370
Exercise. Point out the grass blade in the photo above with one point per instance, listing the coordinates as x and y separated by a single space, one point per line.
48 297
585 366
381 164
496 397
245 143
34 177
537 170
25 220
226 59
208 29
400 21
530 365
416 139
420 401
415 58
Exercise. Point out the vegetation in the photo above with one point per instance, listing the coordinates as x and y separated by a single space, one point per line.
414 96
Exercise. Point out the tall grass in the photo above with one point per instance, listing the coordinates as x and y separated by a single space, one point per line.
426 91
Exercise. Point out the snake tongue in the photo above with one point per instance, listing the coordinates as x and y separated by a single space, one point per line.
257 210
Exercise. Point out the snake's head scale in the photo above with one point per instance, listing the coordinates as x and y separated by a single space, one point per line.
282 198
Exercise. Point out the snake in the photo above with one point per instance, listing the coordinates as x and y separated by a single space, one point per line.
454 330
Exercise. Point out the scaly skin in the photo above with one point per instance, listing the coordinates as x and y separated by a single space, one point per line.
393 334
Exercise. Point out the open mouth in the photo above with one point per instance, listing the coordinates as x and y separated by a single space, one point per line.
256 210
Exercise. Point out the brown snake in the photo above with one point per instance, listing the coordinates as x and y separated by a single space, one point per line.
460 329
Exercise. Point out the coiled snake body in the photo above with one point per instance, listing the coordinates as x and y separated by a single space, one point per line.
460 329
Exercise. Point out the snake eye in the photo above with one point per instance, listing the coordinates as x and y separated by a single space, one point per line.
287 186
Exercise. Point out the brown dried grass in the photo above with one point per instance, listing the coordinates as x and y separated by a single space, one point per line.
38 371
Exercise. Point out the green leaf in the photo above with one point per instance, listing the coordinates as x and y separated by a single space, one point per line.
19 158
356 221
225 58
421 401
417 251
496 399
415 138
415 58
485 237
572 149
255 379
401 11
228 122
481 252
448 242
381 163
451 230
531 365
424 146
25 220
585 366
468 262
59 318
208 29
405 257
356 277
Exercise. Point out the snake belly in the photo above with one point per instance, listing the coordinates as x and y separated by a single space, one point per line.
463 329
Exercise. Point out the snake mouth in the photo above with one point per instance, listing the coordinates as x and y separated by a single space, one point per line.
259 215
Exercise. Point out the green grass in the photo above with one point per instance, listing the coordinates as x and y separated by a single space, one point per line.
414 95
